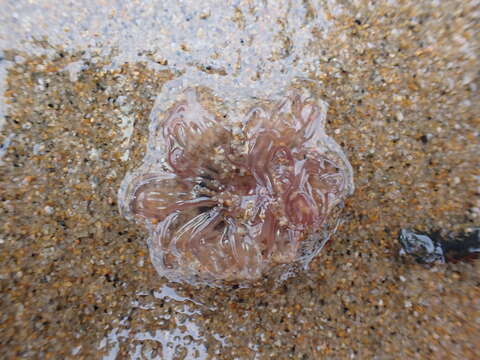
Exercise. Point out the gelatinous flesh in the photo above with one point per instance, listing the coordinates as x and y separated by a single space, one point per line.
231 200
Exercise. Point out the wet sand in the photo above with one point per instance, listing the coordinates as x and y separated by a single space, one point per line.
76 279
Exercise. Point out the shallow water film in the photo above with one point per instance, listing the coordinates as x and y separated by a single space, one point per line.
230 199
92 95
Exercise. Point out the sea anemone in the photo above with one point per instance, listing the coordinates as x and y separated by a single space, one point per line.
231 200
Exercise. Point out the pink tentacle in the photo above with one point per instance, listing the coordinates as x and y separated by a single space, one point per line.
267 236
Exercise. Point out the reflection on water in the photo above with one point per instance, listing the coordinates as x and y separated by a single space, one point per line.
184 339
250 48
168 293
172 343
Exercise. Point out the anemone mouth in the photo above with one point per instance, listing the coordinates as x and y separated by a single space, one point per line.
230 204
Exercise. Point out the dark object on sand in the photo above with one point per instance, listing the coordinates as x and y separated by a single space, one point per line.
433 248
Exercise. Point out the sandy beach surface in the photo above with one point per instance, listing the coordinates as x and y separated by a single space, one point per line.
79 81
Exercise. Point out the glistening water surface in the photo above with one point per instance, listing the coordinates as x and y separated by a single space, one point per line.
79 81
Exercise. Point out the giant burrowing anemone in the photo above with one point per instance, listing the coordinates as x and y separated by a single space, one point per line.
230 200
